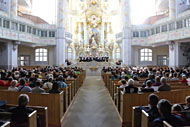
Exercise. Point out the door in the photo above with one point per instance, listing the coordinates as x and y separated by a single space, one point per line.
24 60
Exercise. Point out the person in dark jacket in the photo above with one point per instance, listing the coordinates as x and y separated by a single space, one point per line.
55 88
20 113
148 87
130 88
164 108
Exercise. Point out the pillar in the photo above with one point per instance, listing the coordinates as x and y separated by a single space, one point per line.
9 55
172 9
85 34
173 54
14 7
102 33
127 39
60 50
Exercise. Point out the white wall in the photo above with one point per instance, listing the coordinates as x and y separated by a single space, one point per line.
30 51
162 50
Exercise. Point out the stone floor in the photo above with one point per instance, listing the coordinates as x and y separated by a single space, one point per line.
93 106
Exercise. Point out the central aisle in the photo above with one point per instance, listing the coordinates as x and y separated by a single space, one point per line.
93 106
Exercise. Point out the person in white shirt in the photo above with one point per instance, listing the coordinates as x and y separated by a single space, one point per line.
49 84
13 86
124 83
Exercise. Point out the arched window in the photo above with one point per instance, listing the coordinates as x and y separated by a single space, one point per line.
41 55
146 54
118 54
70 54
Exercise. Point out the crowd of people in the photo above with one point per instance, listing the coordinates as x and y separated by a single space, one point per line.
155 79
163 110
97 59
37 80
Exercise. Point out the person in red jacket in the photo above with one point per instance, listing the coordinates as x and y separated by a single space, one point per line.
2 83
9 82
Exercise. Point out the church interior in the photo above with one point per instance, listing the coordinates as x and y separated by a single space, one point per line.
91 65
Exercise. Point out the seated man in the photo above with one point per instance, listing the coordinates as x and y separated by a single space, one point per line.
164 86
148 87
152 110
130 88
23 88
37 89
164 108
20 113
61 82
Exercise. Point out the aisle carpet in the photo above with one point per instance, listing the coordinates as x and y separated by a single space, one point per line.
93 106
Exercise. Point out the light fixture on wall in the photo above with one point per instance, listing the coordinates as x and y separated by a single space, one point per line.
15 45
172 45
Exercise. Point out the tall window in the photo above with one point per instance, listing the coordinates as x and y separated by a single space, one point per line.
6 24
22 28
14 26
41 55
24 60
70 54
145 54
162 60
118 54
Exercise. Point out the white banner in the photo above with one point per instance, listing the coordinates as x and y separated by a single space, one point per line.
182 5
5 5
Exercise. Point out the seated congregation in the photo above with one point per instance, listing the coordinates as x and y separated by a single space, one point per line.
129 87
42 85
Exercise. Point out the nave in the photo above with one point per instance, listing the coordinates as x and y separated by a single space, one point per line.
93 106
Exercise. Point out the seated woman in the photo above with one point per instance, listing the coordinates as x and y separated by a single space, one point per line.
184 80
157 81
130 88
136 80
48 84
148 87
55 88
9 82
13 86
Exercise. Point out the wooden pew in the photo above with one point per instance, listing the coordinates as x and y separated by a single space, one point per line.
65 98
118 99
32 118
73 84
136 116
42 112
166 124
112 88
54 103
129 100
144 119
6 124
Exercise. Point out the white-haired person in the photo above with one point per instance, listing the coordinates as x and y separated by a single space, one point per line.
130 88
164 86
13 86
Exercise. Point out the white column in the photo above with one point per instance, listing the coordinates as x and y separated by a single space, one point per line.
14 5
80 30
108 32
127 39
174 55
9 55
85 34
60 39
172 9
102 33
